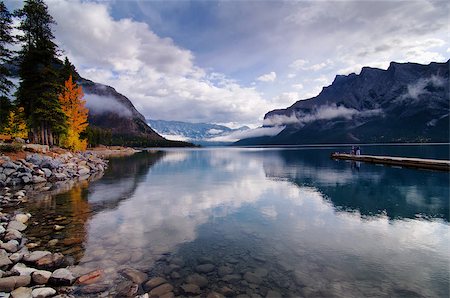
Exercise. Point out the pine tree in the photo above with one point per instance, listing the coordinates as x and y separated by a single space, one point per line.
5 58
39 85
73 106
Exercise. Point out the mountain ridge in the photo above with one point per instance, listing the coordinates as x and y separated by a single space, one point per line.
407 102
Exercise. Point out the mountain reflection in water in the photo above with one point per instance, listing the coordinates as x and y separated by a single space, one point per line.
286 221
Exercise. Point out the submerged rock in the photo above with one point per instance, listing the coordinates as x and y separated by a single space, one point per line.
154 282
161 290
205 268
135 275
191 289
197 279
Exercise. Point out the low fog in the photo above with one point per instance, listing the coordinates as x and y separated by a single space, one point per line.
98 104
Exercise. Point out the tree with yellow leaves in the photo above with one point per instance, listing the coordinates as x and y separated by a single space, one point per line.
74 107
16 126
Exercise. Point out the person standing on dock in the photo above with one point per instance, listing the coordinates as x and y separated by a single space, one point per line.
358 150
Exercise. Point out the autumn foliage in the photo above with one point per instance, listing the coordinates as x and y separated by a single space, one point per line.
73 106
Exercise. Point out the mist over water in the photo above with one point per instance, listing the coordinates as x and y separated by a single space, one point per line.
286 221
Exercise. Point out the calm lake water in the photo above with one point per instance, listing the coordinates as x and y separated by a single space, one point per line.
270 221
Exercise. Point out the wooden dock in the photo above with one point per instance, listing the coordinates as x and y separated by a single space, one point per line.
416 163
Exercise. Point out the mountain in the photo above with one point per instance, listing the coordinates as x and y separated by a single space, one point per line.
408 102
197 133
114 118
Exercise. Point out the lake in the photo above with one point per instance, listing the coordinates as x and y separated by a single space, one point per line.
276 222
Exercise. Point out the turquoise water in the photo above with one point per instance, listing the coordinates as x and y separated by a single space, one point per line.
302 224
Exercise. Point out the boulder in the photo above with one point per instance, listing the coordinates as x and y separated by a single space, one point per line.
35 255
22 269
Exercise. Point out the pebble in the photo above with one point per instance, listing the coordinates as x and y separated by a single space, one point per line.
62 277
135 275
58 227
191 289
22 269
161 290
154 282
205 268
41 277
252 278
4 261
12 282
215 295
94 288
127 289
16 225
224 270
91 277
197 279
22 292
35 255
43 292
23 218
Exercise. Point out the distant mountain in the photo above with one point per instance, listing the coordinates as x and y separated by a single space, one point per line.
198 133
408 102
113 114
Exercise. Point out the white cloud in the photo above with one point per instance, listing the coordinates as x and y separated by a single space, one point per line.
268 77
297 86
250 133
159 77
298 64
419 88
98 104
291 75
324 112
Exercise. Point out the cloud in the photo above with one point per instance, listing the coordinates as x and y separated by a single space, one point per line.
415 90
324 112
158 76
291 75
250 133
98 104
269 77
297 86
298 64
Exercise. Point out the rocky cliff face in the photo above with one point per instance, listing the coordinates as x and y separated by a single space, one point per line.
408 102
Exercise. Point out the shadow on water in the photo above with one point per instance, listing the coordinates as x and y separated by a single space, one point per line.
71 205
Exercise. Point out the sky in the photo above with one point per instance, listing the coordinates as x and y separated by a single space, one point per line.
230 62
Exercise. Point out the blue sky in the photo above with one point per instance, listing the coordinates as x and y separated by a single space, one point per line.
230 62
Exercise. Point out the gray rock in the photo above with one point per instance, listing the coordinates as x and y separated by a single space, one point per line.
60 176
23 218
154 282
190 289
10 165
16 225
38 179
197 279
224 270
252 278
35 255
41 277
10 246
10 283
12 234
47 172
205 260
94 288
205 268
135 275
83 171
62 277
43 292
215 295
127 289
26 179
161 290
8 172
22 269
21 292
2 229
4 261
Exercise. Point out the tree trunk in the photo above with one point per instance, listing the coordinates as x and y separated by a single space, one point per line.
50 136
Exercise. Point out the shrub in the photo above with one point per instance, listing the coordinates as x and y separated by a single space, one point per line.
14 147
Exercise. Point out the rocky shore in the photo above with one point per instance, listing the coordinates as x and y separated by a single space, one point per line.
40 169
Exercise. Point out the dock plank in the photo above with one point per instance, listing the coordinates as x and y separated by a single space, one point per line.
409 162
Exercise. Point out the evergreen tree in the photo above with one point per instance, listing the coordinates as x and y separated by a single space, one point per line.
5 58
39 81
67 70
